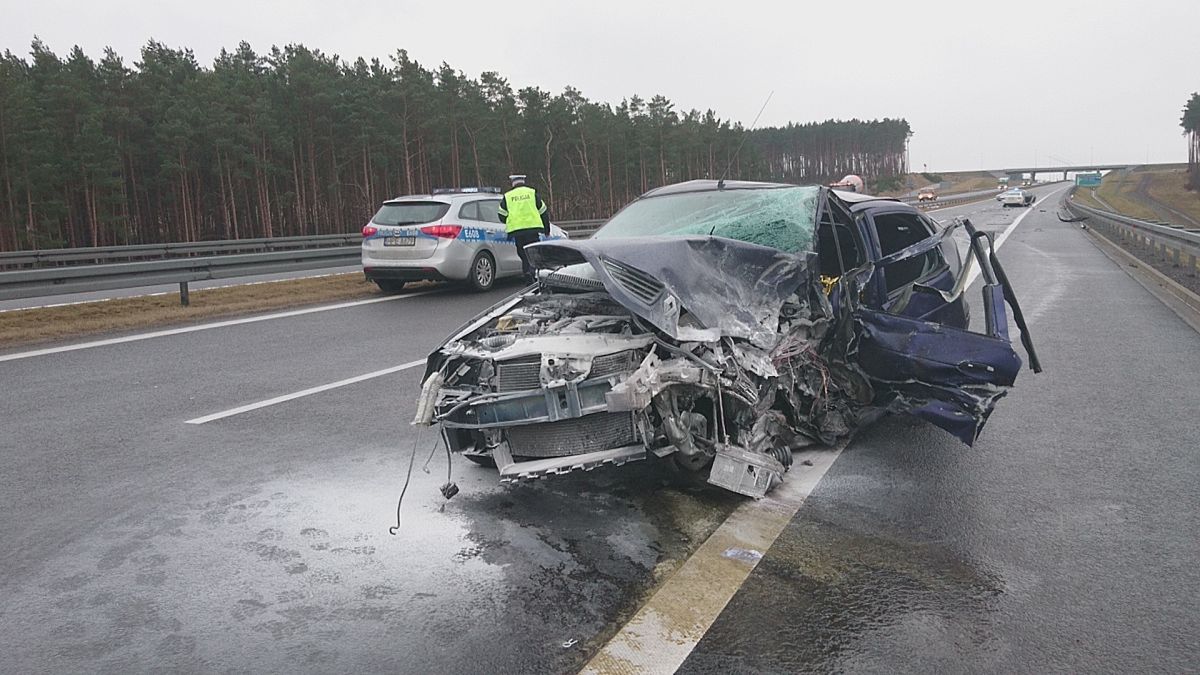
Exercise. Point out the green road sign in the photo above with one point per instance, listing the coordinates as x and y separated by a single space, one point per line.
1087 179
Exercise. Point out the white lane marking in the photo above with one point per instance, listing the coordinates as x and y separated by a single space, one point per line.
303 392
974 273
206 326
666 629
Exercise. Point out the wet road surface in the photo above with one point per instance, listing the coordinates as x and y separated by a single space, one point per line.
259 542
1063 541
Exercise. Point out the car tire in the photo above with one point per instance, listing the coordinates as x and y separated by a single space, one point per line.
482 275
481 460
682 473
390 285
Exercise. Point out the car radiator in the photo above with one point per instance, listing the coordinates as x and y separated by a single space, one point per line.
525 372
599 431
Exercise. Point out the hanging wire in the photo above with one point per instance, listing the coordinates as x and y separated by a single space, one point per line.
432 451
412 459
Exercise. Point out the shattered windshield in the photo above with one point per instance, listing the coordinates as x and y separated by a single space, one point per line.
782 218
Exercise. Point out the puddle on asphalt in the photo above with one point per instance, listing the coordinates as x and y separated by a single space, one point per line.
844 594
300 571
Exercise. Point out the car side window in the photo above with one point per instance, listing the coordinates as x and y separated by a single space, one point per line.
837 233
489 210
469 211
897 231
949 246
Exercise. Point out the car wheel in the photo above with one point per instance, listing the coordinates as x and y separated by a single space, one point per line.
483 271
390 285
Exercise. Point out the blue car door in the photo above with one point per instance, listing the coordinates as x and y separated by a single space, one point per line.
914 286
943 373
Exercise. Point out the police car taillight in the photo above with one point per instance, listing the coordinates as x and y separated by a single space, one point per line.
443 231
369 230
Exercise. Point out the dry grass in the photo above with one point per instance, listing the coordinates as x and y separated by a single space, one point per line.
27 326
972 181
963 181
1165 185
1119 190
1084 196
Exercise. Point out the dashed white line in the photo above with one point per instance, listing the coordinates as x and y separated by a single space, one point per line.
303 392
667 628
1003 237
205 326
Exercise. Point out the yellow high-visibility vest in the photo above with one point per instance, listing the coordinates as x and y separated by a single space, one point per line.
521 207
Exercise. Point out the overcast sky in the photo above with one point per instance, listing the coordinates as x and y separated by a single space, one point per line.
984 85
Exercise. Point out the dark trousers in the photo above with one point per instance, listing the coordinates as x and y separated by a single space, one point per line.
524 238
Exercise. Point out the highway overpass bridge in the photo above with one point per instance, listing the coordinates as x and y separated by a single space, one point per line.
1017 173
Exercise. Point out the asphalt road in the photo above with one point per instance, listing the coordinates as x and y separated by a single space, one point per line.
1064 541
259 541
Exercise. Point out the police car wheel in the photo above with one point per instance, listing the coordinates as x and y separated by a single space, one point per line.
483 271
390 285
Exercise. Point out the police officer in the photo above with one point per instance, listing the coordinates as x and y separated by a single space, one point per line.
524 216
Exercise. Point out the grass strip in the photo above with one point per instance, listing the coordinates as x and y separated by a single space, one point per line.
21 327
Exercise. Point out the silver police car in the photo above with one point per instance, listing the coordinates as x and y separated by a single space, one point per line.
451 235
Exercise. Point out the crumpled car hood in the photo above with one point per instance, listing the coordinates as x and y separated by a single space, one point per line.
732 288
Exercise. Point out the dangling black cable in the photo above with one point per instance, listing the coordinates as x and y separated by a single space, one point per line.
449 489
412 459
432 452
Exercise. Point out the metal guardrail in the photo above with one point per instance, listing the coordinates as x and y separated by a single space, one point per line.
1177 244
583 228
98 255
30 283
947 202
76 270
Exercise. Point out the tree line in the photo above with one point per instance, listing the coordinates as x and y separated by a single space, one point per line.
1191 128
297 142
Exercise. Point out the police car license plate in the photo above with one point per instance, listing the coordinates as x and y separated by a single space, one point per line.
399 241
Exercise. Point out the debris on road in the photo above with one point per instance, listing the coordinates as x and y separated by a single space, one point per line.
743 554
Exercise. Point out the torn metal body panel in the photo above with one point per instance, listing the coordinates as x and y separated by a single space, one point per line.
732 288
719 353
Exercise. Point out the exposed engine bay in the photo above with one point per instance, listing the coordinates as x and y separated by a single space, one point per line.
720 356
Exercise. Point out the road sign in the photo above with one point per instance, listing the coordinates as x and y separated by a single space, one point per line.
1087 179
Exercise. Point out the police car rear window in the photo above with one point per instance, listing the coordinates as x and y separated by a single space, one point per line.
410 213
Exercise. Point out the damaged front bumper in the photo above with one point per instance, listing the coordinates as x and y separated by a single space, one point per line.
613 357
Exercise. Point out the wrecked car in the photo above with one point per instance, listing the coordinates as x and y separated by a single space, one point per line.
722 325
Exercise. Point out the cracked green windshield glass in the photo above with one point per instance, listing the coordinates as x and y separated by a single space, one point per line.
782 218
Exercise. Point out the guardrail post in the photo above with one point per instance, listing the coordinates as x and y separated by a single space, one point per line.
183 294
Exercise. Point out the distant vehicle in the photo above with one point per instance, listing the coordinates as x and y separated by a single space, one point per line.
450 235
927 195
851 183
1016 197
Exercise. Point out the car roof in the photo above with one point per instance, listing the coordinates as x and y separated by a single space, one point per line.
706 185
443 197
854 198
